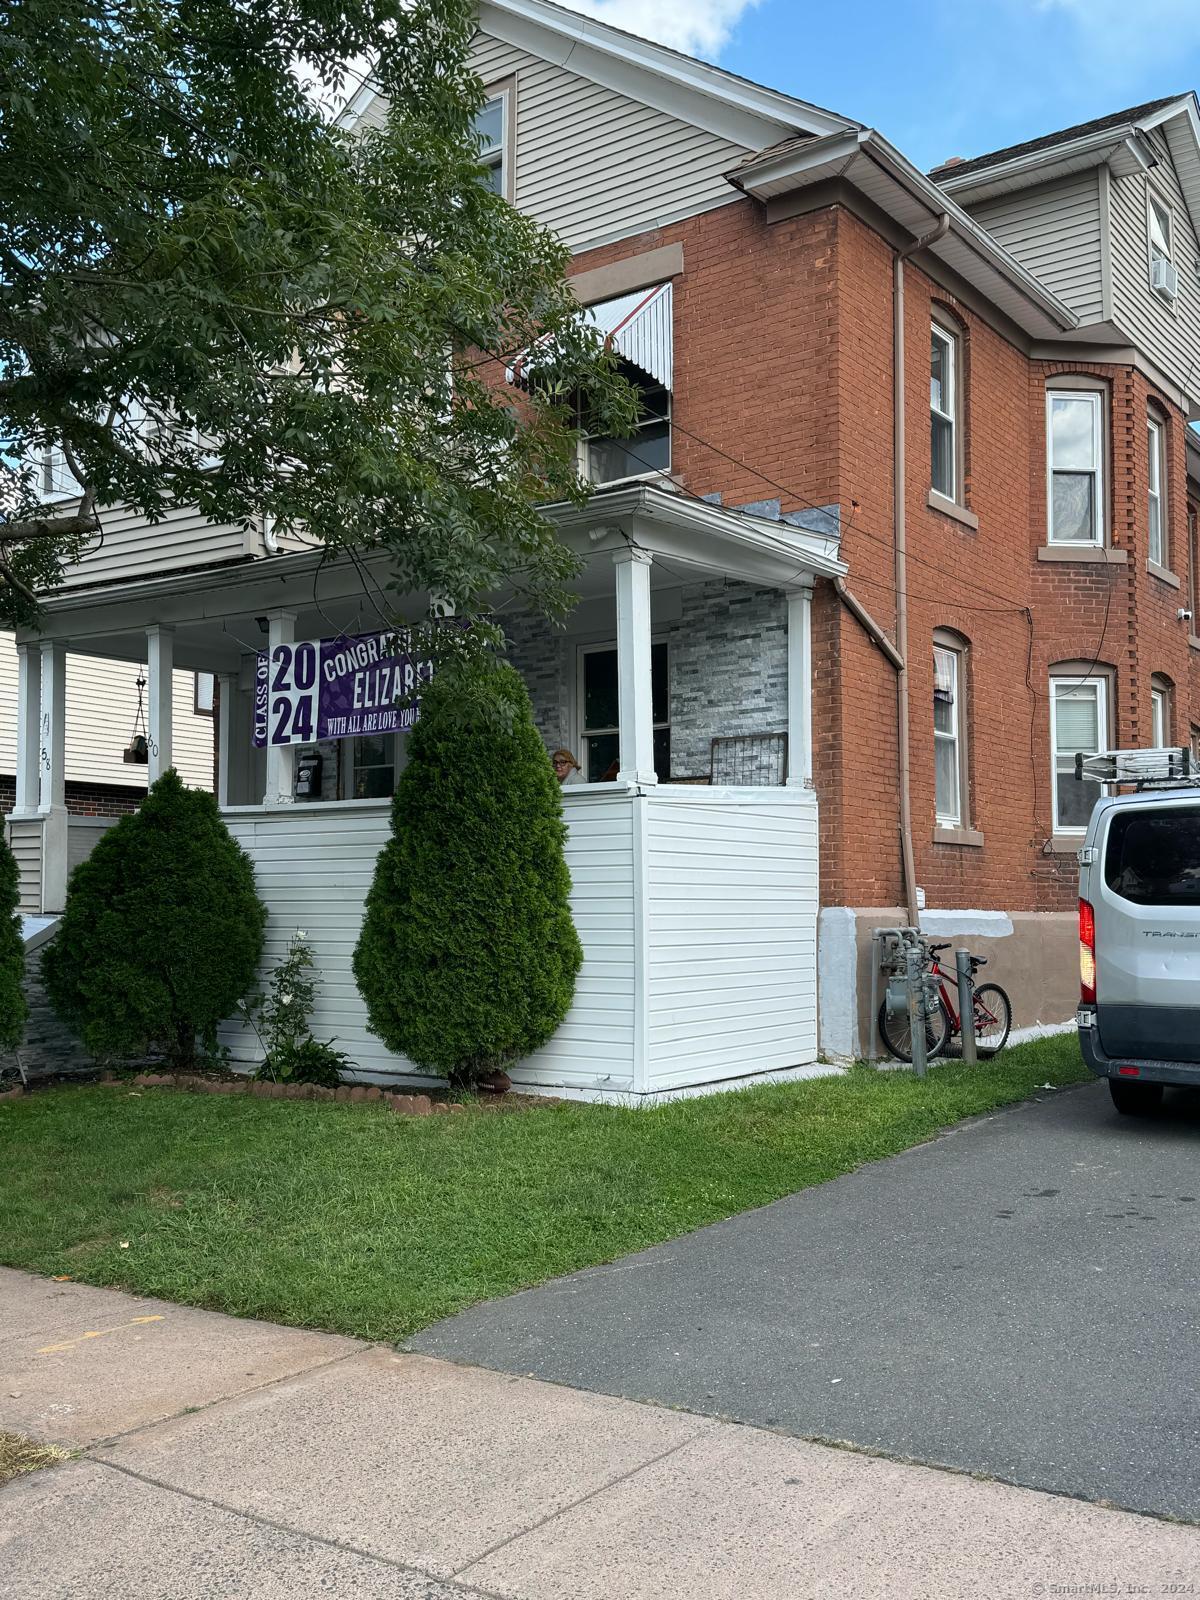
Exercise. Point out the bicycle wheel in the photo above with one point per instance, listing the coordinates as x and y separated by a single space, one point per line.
993 1018
897 1035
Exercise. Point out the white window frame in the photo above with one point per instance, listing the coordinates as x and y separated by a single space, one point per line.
1065 681
949 341
500 155
204 688
1156 441
584 732
1156 206
1160 714
1096 400
956 655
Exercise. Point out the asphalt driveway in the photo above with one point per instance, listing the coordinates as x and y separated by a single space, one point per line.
1020 1298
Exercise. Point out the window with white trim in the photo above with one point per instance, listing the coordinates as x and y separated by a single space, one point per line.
646 450
204 697
943 411
1075 488
1078 725
599 711
1156 456
1160 713
490 126
1159 224
949 766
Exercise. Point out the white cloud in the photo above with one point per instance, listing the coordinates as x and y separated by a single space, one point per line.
699 27
1118 33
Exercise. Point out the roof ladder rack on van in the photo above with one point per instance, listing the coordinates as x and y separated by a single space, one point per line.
1165 768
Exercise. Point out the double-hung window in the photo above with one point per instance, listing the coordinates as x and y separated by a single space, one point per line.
1157 540
949 787
943 412
1159 224
1078 725
1160 714
491 129
1074 424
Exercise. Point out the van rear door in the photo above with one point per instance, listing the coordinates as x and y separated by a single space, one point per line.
1146 897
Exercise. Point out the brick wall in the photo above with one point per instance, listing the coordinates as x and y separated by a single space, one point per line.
783 389
83 799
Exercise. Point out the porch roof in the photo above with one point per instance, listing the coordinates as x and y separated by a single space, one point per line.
215 612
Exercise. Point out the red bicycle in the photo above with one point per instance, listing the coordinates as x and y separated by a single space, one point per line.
992 1008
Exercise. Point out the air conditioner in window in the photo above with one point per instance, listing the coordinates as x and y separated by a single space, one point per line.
1164 279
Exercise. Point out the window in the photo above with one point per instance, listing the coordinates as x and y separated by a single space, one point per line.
1157 544
943 412
1195 743
1076 481
1153 858
948 733
1160 233
492 130
55 480
600 711
1078 723
1193 575
373 766
647 449
1160 713
205 694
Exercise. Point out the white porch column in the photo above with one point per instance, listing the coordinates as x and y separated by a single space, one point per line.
226 710
160 689
29 710
799 686
635 695
281 759
52 774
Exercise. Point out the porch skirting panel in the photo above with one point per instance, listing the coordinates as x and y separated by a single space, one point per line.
696 909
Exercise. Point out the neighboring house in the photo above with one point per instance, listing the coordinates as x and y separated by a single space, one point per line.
841 683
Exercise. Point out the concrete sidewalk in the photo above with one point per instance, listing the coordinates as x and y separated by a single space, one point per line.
237 1459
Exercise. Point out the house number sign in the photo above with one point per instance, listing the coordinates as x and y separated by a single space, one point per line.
336 689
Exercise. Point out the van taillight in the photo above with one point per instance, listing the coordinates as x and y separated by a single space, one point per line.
1087 954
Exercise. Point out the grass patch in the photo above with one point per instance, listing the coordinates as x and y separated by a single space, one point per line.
19 1455
364 1222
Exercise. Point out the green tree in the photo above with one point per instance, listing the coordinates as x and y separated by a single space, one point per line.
468 955
13 1009
162 932
212 294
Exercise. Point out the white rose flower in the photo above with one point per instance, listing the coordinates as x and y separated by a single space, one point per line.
285 999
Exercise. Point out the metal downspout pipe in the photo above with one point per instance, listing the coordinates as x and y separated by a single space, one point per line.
899 489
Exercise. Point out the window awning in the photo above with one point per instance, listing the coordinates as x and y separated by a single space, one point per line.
637 326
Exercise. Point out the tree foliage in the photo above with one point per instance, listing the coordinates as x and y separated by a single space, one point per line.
162 932
211 294
13 1008
468 955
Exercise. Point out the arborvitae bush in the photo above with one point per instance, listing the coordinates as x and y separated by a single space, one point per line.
13 1009
468 956
162 932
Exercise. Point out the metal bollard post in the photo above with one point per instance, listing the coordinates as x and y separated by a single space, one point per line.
916 1007
966 1006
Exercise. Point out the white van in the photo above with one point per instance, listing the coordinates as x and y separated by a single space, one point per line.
1139 926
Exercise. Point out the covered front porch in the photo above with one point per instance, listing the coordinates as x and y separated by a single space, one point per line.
682 684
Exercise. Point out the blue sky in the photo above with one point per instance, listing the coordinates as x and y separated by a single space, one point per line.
940 77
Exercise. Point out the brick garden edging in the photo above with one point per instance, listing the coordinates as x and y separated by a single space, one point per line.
411 1105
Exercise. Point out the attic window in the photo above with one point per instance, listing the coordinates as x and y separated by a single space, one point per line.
1160 232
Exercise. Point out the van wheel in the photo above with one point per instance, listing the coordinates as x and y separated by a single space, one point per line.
1135 1099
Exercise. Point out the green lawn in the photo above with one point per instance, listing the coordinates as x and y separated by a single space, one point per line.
354 1219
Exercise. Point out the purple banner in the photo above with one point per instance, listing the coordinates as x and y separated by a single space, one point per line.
335 689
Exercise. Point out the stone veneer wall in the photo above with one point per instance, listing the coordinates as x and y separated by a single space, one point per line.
727 656
49 1047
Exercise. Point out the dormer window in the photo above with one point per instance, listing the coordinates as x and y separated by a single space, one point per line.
492 128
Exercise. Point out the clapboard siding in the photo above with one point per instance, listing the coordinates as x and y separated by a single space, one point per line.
131 547
101 706
314 865
1170 335
731 927
25 841
1055 231
593 164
